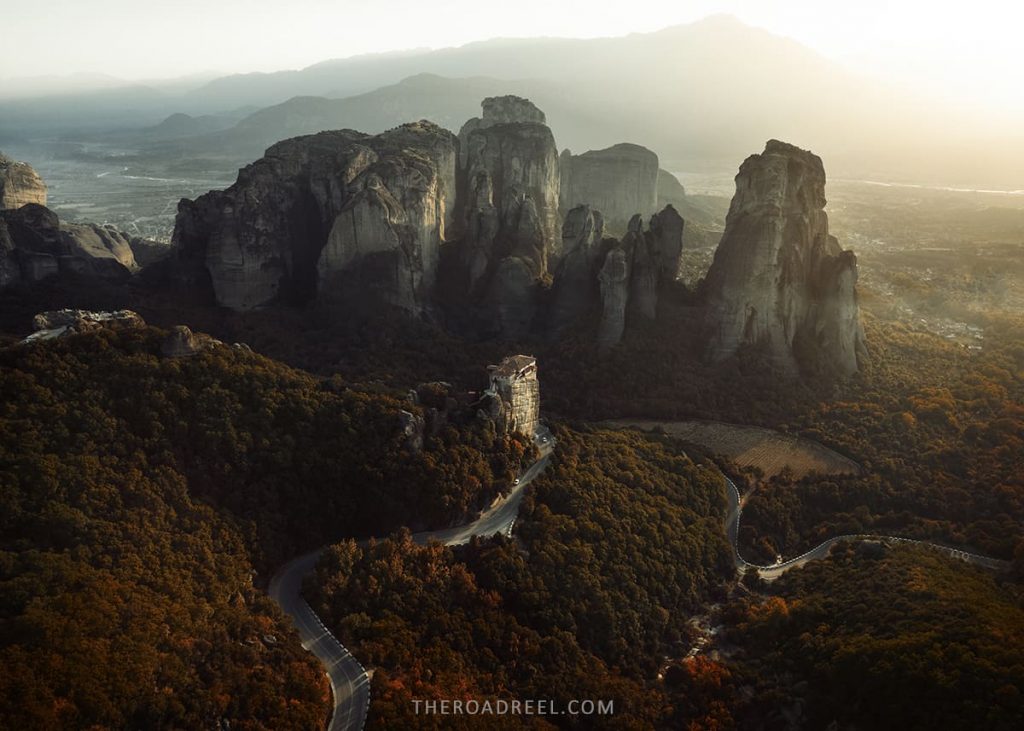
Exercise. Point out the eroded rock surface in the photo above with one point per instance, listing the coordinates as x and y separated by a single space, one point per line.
508 168
34 245
339 213
779 280
19 184
61 323
181 342
620 181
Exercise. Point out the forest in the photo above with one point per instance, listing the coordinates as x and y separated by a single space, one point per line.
884 638
618 543
143 502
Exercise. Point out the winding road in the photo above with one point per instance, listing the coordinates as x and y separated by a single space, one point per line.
770 573
350 683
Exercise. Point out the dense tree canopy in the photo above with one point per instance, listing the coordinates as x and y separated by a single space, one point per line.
615 547
137 496
887 638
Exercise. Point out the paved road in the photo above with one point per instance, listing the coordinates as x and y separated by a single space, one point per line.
350 685
770 573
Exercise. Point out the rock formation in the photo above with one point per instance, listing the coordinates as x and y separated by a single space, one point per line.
413 430
181 342
670 191
619 181
619 278
779 281
514 395
509 182
636 271
614 279
61 323
340 213
34 245
575 283
19 184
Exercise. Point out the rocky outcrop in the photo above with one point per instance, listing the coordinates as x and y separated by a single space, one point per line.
619 181
413 430
34 245
513 397
509 178
779 280
575 284
19 184
181 342
340 214
670 191
95 250
61 323
614 279
636 271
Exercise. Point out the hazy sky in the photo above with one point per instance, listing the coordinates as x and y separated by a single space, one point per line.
967 50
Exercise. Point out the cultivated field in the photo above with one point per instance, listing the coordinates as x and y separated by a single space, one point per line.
753 446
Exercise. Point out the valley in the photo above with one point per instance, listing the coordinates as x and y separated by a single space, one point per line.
663 378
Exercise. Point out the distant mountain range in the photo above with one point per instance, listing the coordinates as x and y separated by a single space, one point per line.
702 95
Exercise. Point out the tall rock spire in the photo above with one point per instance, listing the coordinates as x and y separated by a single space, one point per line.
779 280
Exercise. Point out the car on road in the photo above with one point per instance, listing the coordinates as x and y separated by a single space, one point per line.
515 481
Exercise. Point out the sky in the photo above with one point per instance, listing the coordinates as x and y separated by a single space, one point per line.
964 51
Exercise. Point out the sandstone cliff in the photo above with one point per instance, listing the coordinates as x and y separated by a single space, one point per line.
341 214
513 397
55 324
619 181
617 278
575 289
34 245
636 271
19 184
509 182
779 281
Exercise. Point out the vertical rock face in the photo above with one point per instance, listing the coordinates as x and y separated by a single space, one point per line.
105 250
34 245
620 181
513 384
665 239
336 213
19 184
614 279
508 165
670 190
779 281
575 287
644 270
635 272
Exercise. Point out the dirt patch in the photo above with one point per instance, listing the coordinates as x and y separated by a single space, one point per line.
753 446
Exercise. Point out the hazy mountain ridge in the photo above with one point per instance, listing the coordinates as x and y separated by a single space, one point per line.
700 94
